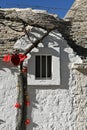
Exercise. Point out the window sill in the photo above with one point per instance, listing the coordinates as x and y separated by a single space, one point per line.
42 82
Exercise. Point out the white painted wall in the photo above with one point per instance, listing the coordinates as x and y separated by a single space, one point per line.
8 96
62 107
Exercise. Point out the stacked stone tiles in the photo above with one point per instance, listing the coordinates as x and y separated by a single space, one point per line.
7 39
77 15
73 27
12 24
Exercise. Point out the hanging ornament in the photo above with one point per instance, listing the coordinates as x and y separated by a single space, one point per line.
16 59
27 103
17 105
27 122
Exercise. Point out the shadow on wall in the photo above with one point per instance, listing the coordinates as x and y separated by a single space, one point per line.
64 59
4 66
65 75
32 97
2 121
57 41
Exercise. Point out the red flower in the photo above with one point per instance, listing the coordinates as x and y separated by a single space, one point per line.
27 122
17 105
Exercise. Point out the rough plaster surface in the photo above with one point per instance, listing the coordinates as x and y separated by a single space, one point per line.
8 96
59 108
62 107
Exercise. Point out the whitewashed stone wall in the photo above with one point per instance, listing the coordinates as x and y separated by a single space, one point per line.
78 92
8 96
62 107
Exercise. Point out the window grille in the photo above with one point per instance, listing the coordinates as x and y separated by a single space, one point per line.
43 66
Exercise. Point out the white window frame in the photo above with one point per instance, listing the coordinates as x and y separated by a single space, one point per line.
55 80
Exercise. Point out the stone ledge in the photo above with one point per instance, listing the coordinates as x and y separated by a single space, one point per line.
80 66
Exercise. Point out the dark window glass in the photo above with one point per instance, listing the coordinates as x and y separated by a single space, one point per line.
49 66
43 66
37 66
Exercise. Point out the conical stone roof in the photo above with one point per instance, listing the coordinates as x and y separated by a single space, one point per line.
14 20
77 15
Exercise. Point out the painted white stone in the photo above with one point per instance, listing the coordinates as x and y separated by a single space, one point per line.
49 46
58 107
8 96
35 34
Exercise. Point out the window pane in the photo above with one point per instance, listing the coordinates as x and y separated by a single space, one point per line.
49 66
43 66
37 73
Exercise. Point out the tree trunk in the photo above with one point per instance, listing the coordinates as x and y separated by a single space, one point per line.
21 112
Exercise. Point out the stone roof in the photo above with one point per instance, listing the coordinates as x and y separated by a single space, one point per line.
77 15
73 27
12 23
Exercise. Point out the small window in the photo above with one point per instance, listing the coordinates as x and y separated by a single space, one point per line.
43 66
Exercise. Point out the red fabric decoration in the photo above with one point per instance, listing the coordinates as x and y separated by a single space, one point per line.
15 59
27 122
17 105
27 103
7 58
22 57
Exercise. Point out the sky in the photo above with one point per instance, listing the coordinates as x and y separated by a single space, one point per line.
59 7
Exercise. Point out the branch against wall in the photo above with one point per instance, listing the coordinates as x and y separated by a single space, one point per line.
18 21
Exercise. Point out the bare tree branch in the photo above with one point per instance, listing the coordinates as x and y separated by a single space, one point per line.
29 17
37 42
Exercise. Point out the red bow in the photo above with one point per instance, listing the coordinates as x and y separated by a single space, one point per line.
16 59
